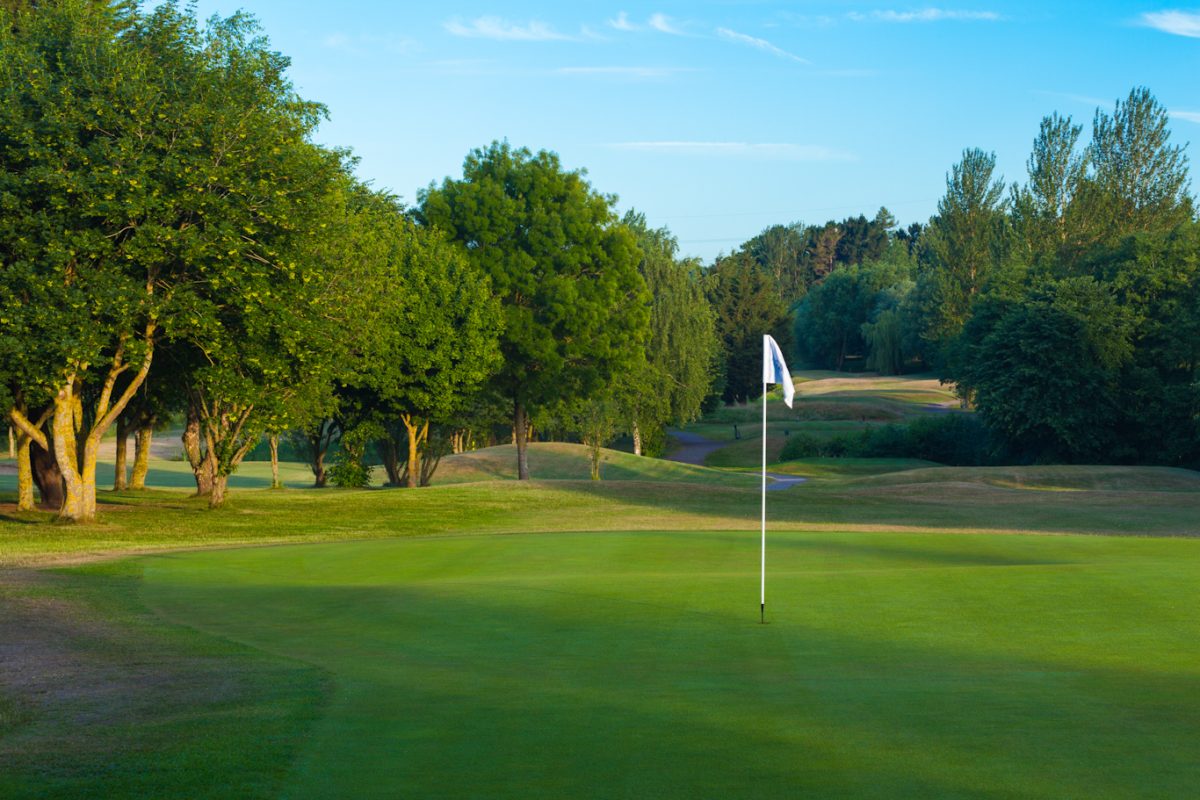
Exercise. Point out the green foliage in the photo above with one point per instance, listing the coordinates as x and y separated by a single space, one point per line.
670 384
350 469
962 246
746 306
1140 178
954 439
564 269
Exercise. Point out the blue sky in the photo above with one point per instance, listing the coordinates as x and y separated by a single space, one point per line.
716 118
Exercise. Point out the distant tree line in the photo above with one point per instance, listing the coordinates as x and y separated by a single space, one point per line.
1065 309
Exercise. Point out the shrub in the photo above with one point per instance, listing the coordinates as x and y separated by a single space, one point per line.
801 445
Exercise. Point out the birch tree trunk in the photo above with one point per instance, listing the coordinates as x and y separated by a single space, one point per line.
273 441
141 456
24 474
202 462
121 460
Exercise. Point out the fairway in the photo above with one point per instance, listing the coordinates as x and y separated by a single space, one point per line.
633 665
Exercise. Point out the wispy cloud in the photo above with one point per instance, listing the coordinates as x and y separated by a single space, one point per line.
926 15
759 44
622 23
625 72
664 24
1180 23
505 31
1188 116
768 151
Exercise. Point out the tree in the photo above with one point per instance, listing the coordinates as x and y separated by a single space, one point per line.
1140 180
669 385
435 339
1047 218
1045 371
563 268
746 306
963 244
85 247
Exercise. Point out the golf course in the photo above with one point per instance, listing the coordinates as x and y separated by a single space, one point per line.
930 632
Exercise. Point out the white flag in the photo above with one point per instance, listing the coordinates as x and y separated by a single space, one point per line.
775 368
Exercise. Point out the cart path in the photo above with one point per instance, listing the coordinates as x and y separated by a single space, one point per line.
694 448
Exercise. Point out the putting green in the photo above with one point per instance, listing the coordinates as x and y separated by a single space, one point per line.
633 665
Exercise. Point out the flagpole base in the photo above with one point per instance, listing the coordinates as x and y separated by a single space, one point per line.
762 613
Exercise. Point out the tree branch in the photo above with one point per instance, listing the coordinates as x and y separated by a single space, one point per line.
32 429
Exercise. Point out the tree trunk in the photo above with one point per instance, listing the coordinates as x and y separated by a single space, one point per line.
12 443
594 456
24 474
637 439
47 476
416 436
216 498
203 467
521 428
79 474
141 456
273 441
120 462
320 477
391 460
75 447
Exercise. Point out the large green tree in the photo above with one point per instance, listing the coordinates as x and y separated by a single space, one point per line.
92 250
963 245
670 384
1140 179
157 179
435 339
562 265
746 306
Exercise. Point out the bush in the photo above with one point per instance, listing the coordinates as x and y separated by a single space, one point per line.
958 440
350 473
801 445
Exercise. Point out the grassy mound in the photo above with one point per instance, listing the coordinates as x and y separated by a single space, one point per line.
1056 478
560 461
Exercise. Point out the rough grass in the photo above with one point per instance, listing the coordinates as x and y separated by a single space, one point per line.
110 702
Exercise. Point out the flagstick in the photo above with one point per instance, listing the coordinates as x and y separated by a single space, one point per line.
762 607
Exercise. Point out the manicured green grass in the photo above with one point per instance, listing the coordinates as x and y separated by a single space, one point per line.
633 664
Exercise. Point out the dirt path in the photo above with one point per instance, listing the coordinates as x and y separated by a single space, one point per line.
694 448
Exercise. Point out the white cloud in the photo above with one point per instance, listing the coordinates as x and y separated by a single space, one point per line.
622 23
505 31
1189 116
759 44
1180 23
625 72
663 24
769 151
926 15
